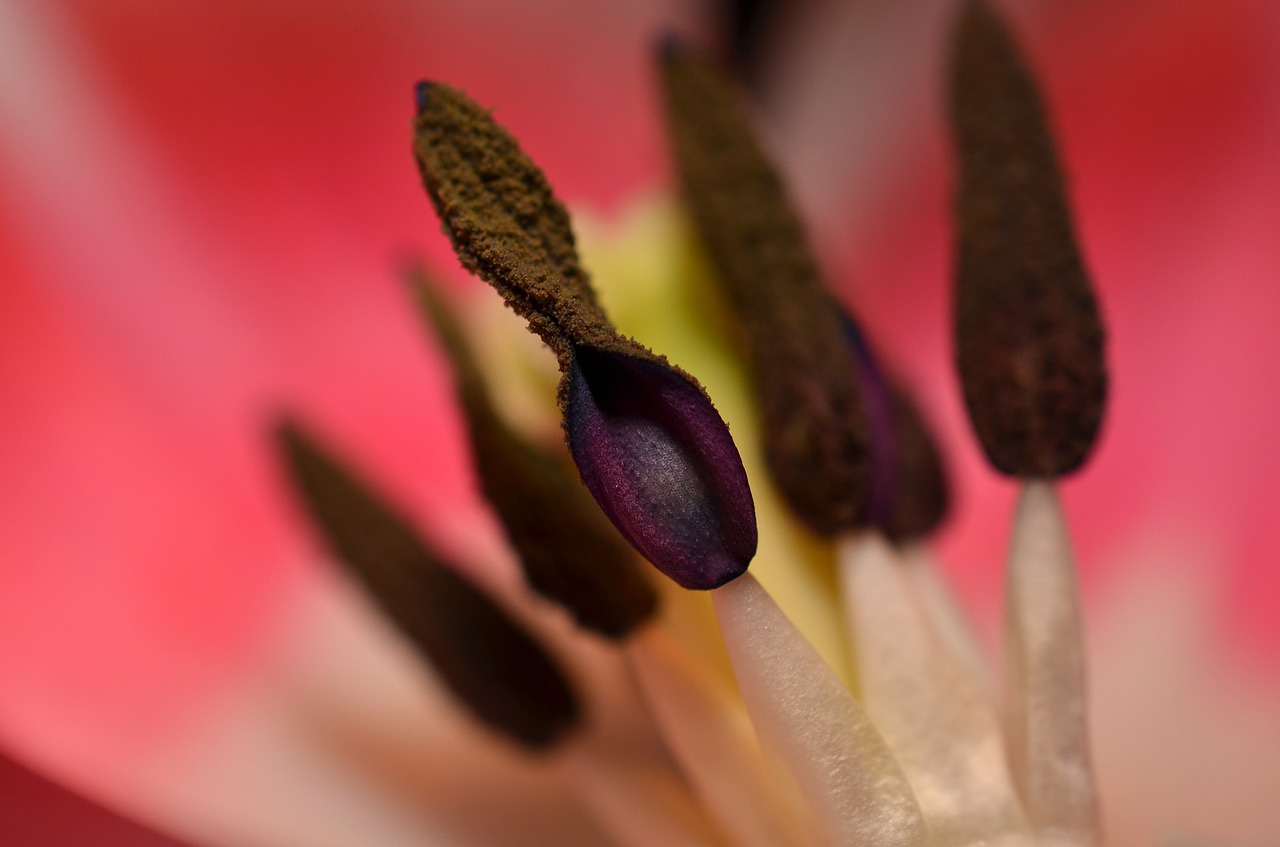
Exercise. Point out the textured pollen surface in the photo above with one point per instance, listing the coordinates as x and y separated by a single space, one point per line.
816 438
503 219
1029 339
508 227
484 657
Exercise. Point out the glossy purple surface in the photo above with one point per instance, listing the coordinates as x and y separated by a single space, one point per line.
659 460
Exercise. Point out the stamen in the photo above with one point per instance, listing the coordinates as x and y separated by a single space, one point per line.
878 405
649 445
939 605
569 552
502 675
665 471
576 558
923 496
845 771
1029 342
835 429
506 224
1029 337
747 24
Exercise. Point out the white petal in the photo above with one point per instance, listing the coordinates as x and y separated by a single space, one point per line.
1169 690
710 735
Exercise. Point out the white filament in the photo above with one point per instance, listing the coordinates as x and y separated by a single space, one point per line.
1047 734
945 614
710 735
858 795
939 722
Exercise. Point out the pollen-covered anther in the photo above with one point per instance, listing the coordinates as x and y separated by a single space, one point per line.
647 441
1029 345
815 431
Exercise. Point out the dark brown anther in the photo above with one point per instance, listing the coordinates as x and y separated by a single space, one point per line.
1029 338
570 553
816 433
482 655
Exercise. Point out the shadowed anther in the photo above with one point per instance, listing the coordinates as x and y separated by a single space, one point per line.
482 655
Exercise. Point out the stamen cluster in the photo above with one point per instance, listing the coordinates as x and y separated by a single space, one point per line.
922 755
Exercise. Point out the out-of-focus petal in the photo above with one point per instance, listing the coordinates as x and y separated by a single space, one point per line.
200 213
338 739
1182 730
36 810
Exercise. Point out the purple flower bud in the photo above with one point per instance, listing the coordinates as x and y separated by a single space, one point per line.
659 460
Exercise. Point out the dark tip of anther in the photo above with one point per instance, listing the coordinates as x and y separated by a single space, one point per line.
672 46
421 92
505 222
748 26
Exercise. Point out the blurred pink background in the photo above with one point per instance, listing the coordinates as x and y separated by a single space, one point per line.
201 207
